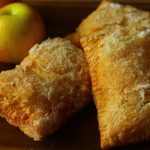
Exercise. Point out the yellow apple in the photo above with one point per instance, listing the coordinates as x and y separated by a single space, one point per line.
20 28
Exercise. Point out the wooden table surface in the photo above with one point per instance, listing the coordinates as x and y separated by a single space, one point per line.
81 132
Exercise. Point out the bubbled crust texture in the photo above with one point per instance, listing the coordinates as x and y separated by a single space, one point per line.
48 87
106 18
119 64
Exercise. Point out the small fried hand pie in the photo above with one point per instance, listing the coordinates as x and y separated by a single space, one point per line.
48 87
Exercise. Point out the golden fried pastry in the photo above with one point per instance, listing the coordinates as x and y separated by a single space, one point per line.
119 64
74 38
106 18
48 87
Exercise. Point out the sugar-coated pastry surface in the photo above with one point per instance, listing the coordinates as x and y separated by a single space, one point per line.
106 18
119 64
47 88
